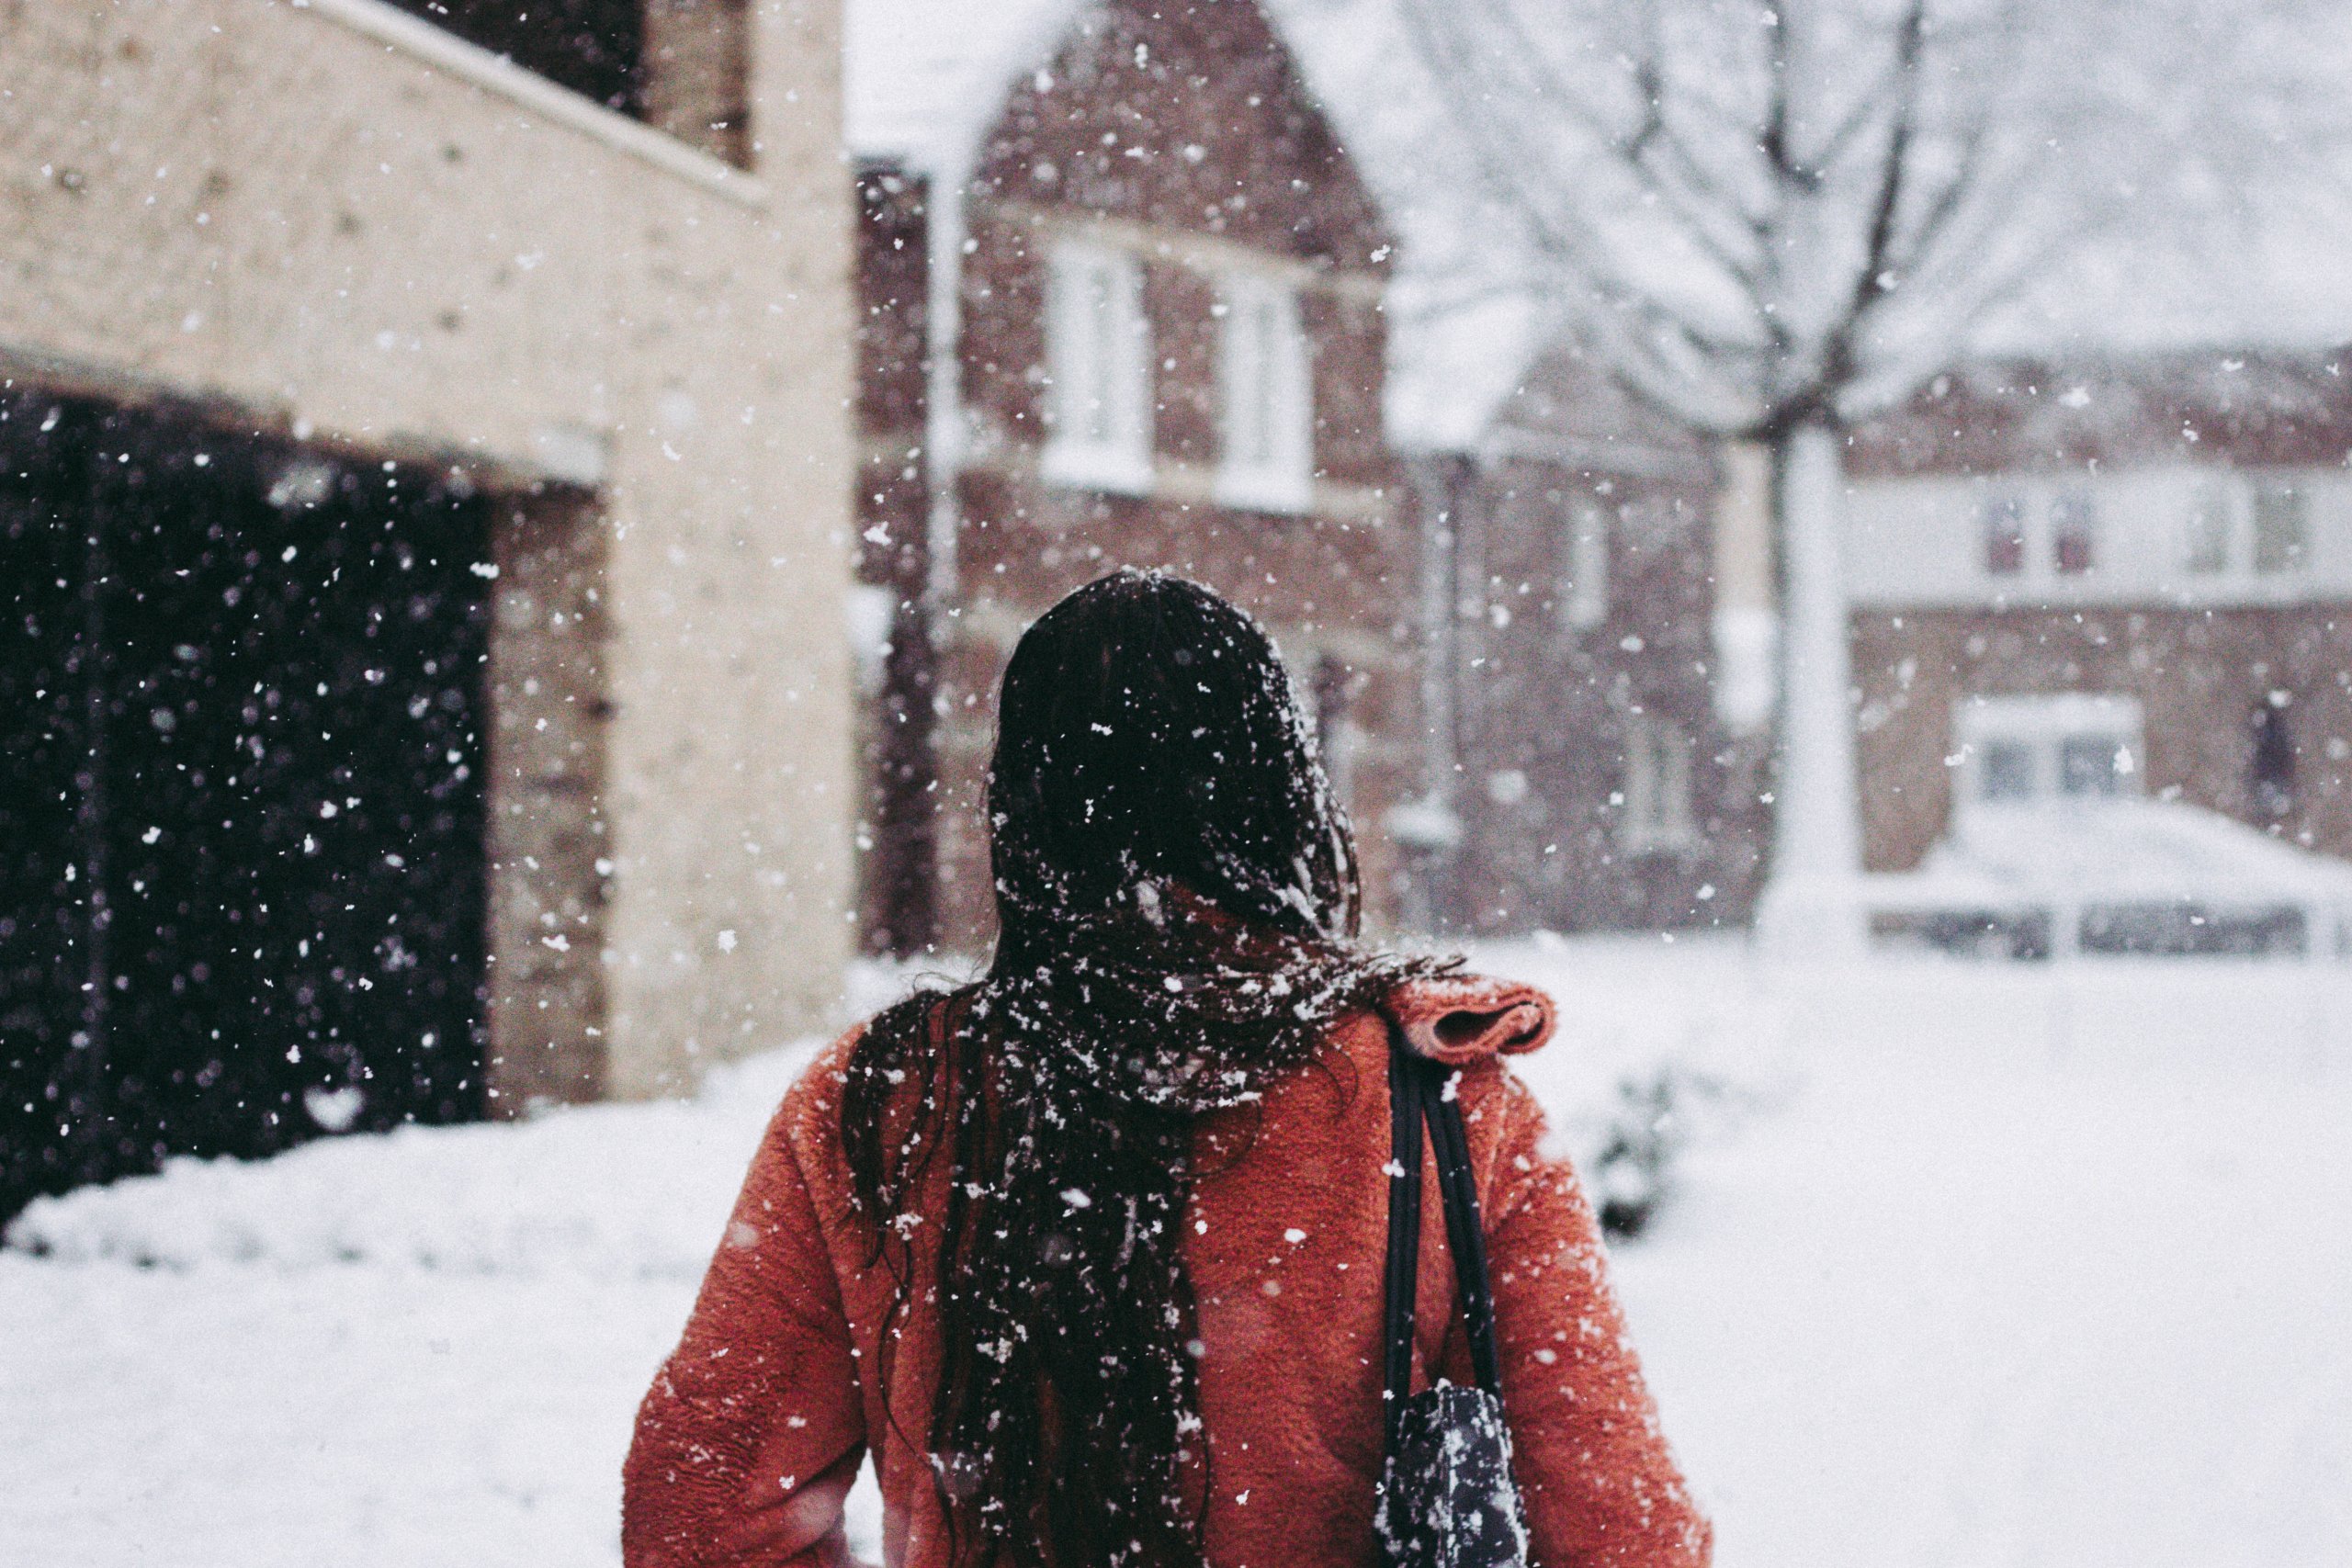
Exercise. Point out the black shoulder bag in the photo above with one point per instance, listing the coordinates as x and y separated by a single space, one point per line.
1446 1495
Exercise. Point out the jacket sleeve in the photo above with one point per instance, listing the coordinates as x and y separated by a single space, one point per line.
753 1432
1599 1485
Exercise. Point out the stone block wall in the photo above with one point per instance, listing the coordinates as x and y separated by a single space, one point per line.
334 220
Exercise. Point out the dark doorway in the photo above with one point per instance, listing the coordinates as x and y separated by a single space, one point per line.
242 872
2272 769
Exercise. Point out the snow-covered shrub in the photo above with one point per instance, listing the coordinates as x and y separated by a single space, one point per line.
1632 1163
1634 1169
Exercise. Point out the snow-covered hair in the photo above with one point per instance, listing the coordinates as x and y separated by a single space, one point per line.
1177 898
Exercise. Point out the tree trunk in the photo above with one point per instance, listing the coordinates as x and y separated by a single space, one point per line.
1811 901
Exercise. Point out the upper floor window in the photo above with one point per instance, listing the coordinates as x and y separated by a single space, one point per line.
2004 521
1585 593
2206 537
1268 403
1656 816
2281 528
1098 360
2074 532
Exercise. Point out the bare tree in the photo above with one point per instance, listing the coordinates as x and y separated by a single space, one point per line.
1775 220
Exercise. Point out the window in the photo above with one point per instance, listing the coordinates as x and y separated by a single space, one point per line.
1585 594
2092 765
2005 771
1656 813
1098 355
2207 539
2029 750
1268 402
2281 535
2004 521
2073 530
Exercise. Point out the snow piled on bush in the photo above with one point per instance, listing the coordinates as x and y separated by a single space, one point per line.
600 1192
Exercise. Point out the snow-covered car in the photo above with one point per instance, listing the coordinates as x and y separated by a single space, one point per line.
2114 876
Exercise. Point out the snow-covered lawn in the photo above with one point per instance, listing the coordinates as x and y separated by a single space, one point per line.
1975 1266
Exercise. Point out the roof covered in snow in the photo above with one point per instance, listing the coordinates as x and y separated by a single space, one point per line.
921 79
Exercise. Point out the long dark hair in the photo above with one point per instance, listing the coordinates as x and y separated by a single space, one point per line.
1177 898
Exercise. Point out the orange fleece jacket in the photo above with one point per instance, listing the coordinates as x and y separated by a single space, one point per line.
753 1430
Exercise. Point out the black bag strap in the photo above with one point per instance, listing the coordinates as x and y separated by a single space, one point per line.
1418 1092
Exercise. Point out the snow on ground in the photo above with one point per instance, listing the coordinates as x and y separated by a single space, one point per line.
1969 1266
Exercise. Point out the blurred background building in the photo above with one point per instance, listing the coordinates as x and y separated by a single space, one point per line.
2127 577
1121 306
1588 770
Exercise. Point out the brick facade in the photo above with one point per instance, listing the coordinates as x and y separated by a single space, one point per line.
1181 137
2202 678
2243 682
1555 682
2205 660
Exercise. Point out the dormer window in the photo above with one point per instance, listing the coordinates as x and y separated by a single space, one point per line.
1098 357
1268 424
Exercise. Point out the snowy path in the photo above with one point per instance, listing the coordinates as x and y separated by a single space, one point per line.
2001 1272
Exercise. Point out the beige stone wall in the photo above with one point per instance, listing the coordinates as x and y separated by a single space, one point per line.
325 219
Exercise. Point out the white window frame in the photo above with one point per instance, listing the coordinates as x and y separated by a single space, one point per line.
1098 367
2265 493
2209 526
1265 395
1587 590
1655 816
2042 726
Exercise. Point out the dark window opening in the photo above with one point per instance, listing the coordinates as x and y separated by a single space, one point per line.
2273 770
2004 519
2074 529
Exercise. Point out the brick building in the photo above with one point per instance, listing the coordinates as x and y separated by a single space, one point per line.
2129 575
1121 305
1588 774
423 500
